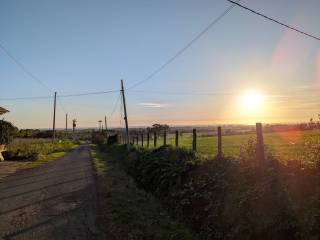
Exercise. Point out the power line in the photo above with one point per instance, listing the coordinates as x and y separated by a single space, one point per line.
274 20
182 50
23 68
184 93
114 107
88 93
59 96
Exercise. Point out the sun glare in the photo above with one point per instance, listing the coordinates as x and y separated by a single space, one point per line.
251 101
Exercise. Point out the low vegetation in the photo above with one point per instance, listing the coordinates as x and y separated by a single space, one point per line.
229 198
127 212
36 153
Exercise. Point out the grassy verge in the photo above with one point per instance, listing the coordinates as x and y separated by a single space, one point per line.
126 211
45 159
31 155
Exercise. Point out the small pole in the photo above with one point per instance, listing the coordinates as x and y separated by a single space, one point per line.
142 139
177 139
54 118
132 139
165 138
125 113
66 122
260 145
137 139
105 124
155 139
194 139
219 142
100 128
148 139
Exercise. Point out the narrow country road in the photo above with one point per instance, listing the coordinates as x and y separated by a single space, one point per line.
54 201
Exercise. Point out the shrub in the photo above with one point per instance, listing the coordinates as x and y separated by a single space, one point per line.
112 139
35 151
7 132
227 198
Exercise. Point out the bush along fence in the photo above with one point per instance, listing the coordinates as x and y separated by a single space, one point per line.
153 139
224 197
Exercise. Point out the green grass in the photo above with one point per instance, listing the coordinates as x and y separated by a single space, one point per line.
45 159
283 145
37 153
130 213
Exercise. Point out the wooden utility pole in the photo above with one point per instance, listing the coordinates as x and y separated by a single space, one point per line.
194 139
66 122
54 118
125 114
105 124
260 145
219 142
74 124
100 128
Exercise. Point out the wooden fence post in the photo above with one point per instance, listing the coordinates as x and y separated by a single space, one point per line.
132 140
137 139
165 138
260 145
155 139
148 139
142 139
177 139
219 142
194 139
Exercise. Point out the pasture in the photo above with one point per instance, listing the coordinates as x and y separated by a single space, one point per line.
284 146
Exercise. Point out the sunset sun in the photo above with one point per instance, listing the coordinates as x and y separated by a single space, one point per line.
251 101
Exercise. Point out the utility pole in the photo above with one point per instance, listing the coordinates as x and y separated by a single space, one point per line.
66 122
105 124
125 114
74 124
100 129
54 118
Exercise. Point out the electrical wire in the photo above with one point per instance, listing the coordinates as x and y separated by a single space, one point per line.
114 108
274 20
58 96
188 45
23 68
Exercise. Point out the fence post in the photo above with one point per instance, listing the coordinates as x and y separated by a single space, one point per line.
155 139
165 138
260 145
132 140
219 142
142 139
177 139
137 139
148 139
194 139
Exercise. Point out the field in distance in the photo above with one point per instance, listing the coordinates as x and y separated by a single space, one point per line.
283 145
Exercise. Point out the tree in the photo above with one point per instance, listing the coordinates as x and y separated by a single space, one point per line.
160 128
7 132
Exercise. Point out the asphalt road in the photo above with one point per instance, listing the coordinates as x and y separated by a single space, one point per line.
54 201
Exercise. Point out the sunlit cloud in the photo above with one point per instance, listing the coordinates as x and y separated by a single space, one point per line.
152 105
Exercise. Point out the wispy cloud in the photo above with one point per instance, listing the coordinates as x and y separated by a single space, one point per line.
152 105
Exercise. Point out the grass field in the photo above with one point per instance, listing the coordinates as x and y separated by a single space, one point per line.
283 145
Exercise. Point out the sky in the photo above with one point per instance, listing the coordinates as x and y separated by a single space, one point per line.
80 46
